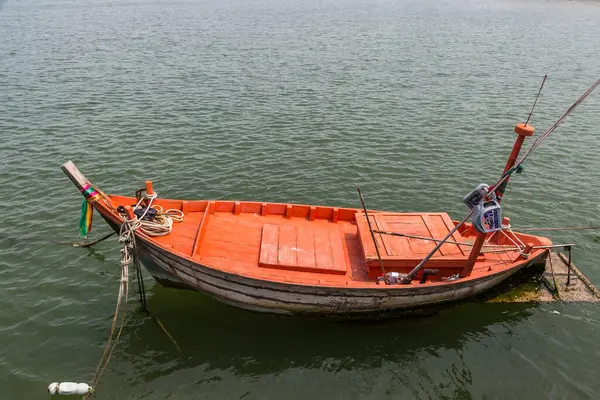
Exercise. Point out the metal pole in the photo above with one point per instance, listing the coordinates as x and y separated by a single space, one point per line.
569 267
555 294
371 230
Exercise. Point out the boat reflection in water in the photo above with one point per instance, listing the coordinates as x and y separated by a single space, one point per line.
229 352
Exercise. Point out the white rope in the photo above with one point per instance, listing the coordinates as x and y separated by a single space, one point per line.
516 237
161 225
487 241
520 247
126 238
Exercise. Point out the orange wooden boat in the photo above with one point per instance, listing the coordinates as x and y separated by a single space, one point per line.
294 259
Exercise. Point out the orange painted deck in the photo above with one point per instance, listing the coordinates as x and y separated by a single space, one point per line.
326 246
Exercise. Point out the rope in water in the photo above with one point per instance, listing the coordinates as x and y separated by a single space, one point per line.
120 313
566 228
162 225
93 242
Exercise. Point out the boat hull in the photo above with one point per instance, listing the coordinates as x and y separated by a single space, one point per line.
252 294
265 296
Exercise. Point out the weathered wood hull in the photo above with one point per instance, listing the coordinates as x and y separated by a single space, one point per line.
266 296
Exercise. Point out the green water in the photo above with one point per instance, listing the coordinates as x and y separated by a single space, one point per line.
296 101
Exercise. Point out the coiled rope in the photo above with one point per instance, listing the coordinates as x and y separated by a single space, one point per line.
163 221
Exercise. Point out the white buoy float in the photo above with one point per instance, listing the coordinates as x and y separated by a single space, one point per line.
69 388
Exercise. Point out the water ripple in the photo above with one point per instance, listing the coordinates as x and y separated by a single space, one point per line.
289 101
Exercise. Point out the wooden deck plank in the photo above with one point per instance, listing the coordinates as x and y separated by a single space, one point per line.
338 255
394 246
287 250
456 236
306 248
228 252
363 235
323 254
233 265
288 247
269 245
438 230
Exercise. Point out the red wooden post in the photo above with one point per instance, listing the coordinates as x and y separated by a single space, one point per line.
474 254
149 189
522 130
130 214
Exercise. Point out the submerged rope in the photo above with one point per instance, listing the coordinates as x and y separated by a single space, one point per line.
90 244
152 229
129 253
119 316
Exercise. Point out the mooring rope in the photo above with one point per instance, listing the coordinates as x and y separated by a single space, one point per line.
514 239
120 312
566 228
162 225
139 276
